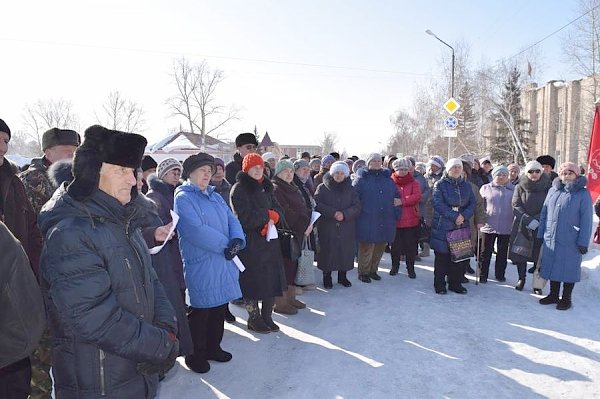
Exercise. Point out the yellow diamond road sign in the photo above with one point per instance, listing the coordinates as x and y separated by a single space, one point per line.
451 106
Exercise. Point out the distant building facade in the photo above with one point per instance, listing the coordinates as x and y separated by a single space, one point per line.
183 144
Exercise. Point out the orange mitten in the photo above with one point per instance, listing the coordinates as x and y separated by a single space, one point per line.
264 230
274 216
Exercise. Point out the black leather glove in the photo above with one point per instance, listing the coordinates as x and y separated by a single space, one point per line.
233 248
161 367
582 250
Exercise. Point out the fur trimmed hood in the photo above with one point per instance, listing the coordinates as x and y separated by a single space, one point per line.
251 184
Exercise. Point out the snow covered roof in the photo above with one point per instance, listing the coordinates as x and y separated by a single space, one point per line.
184 141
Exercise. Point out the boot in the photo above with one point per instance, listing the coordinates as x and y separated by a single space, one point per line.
197 365
521 270
266 313
327 282
255 320
425 251
394 270
531 269
364 278
411 271
229 317
553 295
291 297
283 306
343 280
565 301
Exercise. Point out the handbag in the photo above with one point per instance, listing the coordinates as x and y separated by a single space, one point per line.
538 281
424 231
305 274
597 235
459 242
522 245
290 249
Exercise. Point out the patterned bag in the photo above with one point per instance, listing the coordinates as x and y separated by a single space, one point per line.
305 275
538 281
459 241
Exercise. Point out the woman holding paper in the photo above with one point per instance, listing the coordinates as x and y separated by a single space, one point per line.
209 238
254 203
296 217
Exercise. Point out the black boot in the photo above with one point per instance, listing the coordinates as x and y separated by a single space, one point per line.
394 270
327 282
521 270
411 271
565 301
266 312
553 295
343 280
255 320
531 269
229 317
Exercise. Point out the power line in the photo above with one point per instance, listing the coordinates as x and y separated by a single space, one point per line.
555 32
266 61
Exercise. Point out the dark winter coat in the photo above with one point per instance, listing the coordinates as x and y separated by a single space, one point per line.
18 215
306 192
377 220
475 178
148 220
527 202
479 217
233 168
337 239
425 192
163 195
104 300
431 180
565 225
318 178
410 193
22 313
498 205
206 226
597 207
251 201
451 197
224 190
486 177
38 186
295 213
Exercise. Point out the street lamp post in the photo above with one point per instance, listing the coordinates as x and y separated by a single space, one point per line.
451 81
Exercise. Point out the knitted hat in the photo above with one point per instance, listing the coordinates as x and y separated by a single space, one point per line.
421 167
301 163
103 145
500 170
546 160
374 156
327 161
468 158
533 165
401 163
219 162
335 155
56 136
412 160
360 163
340 166
305 154
283 164
167 165
484 160
514 166
196 161
245 138
268 155
148 163
4 128
251 160
314 161
437 161
454 162
569 166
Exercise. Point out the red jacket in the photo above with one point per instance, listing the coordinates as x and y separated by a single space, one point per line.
410 193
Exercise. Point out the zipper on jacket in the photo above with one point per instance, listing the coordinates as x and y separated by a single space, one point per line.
102 373
137 297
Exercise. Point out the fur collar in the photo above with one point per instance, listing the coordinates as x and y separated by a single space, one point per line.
331 184
158 185
571 187
543 184
251 184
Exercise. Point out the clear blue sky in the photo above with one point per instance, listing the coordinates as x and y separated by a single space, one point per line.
81 50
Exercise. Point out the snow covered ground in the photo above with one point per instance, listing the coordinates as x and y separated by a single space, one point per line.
397 338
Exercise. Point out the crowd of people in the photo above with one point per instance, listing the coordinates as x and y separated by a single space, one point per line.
113 294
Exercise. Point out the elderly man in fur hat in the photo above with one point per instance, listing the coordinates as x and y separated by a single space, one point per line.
245 143
112 325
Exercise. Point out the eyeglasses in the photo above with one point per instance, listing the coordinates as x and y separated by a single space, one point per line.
534 171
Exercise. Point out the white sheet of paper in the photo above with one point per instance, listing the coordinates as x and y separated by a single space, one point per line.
314 216
155 250
239 263
272 232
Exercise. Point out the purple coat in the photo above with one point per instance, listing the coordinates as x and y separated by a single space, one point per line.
498 206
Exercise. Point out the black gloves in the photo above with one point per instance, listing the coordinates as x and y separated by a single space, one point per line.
161 367
233 248
582 250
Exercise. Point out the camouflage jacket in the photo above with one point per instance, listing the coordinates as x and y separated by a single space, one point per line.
38 187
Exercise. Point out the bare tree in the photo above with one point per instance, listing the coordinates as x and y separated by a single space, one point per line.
46 114
195 99
328 142
121 114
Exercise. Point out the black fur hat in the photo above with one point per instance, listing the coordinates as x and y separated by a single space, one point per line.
56 136
60 172
245 138
196 161
4 128
102 145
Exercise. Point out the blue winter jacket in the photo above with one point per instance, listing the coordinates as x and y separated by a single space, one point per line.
450 198
425 192
206 225
377 220
565 224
